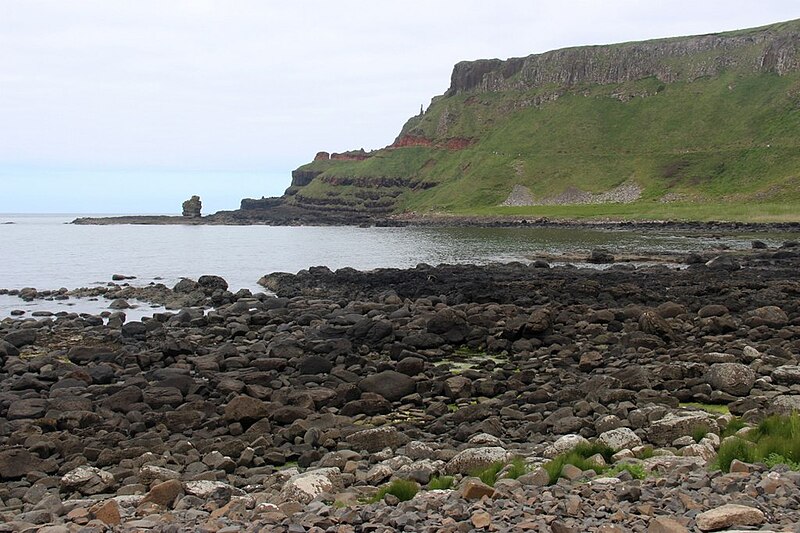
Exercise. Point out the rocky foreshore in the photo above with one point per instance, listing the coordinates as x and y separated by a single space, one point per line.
288 411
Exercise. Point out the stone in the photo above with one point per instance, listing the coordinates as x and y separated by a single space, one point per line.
564 444
457 387
107 512
17 462
786 375
474 489
192 207
449 325
164 493
770 315
21 337
308 485
389 384
678 424
620 439
666 525
151 473
734 378
245 409
30 408
376 439
203 489
87 480
600 256
729 515
471 459
481 519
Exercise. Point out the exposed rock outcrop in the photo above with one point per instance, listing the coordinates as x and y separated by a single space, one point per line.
192 207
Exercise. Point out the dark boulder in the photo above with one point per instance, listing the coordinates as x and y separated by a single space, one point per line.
389 384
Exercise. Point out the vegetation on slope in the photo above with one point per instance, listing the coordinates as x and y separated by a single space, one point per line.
721 143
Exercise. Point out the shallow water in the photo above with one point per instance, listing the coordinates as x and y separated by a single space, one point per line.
45 252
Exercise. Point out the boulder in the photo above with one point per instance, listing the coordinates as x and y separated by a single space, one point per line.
245 409
164 493
771 316
87 480
18 462
620 439
30 408
600 256
376 439
564 444
471 459
305 487
21 337
449 325
734 378
678 424
389 384
786 375
729 515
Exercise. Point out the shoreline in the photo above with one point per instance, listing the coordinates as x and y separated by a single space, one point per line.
226 219
275 411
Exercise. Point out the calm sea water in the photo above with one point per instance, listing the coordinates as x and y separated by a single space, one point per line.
45 252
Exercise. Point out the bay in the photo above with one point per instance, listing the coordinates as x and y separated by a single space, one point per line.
46 252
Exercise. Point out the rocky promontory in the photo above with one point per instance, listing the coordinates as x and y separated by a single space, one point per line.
290 410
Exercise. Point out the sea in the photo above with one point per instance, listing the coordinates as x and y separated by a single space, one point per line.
47 252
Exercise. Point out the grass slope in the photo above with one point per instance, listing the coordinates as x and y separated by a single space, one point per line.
727 148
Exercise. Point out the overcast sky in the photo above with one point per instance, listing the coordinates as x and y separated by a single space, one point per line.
133 106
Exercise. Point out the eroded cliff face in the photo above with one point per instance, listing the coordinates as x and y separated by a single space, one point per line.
669 60
574 120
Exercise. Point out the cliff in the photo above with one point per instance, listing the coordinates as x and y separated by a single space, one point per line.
688 120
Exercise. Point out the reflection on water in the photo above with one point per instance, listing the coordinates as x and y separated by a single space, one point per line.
46 253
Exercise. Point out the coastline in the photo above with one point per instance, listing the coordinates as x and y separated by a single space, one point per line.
228 218
259 410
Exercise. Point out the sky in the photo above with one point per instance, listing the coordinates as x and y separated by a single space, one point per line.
112 106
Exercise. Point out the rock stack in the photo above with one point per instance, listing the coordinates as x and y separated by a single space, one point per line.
192 207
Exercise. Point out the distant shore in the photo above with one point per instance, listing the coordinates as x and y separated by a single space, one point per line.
238 218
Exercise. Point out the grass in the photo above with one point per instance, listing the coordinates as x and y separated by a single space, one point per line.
579 457
402 489
708 407
637 471
699 432
726 147
489 474
441 483
775 440
733 427
516 468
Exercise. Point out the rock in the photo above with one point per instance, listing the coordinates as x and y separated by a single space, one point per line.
305 487
6 348
734 378
724 262
18 462
376 439
204 489
786 375
107 512
456 387
21 337
32 408
729 515
389 384
314 364
600 256
771 316
449 325
481 519
474 489
786 403
666 525
473 459
87 480
150 473
564 444
192 207
245 409
620 439
211 284
164 494
673 425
